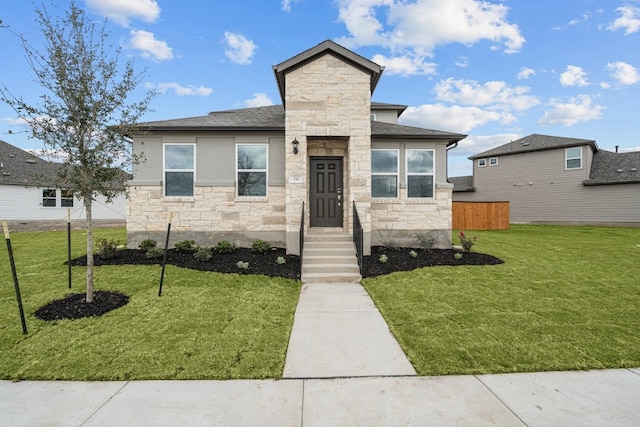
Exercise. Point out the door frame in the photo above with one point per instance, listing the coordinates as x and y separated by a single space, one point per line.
312 183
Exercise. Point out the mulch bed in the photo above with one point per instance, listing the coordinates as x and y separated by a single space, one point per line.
74 306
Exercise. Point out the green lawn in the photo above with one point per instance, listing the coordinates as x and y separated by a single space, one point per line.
566 298
205 325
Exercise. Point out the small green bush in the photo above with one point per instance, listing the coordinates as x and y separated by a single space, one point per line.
107 248
426 241
383 259
147 244
186 246
260 246
413 254
225 247
242 265
281 260
154 253
202 254
457 255
466 242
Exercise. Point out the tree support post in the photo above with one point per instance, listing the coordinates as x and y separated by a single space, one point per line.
7 238
164 258
69 245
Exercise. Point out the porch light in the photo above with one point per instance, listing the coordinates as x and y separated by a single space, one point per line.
295 143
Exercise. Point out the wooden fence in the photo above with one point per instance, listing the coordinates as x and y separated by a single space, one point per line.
480 215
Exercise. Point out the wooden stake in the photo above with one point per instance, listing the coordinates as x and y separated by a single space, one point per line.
7 237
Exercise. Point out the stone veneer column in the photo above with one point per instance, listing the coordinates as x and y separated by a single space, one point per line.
328 97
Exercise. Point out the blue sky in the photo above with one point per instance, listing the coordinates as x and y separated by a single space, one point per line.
495 70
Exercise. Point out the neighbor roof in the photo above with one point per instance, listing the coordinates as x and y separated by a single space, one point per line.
462 183
271 118
535 142
18 167
614 168
326 47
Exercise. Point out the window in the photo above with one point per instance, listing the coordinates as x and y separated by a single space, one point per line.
179 170
420 177
384 173
66 198
251 166
372 117
493 161
49 198
482 163
573 158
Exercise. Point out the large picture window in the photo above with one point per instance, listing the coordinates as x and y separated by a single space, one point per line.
251 167
420 173
384 173
574 158
179 170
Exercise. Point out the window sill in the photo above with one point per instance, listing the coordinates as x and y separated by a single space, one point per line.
178 199
264 199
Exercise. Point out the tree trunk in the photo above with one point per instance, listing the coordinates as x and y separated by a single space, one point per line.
87 208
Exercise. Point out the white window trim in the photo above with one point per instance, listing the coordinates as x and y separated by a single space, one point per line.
396 174
266 170
373 116
567 158
407 173
165 170
54 198
491 161
484 161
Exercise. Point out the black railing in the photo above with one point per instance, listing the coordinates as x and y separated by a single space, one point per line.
301 238
358 235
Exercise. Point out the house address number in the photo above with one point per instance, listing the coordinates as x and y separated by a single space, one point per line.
296 179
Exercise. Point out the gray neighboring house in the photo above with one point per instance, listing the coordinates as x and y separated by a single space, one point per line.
245 174
550 179
27 192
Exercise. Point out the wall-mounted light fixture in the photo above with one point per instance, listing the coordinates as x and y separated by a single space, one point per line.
295 143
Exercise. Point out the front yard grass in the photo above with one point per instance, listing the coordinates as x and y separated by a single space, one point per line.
205 325
566 298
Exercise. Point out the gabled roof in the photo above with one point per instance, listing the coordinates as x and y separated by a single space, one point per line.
399 108
326 47
19 167
271 118
535 142
614 168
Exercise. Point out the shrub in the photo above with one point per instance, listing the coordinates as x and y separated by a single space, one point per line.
225 247
260 246
383 259
202 254
281 260
242 265
457 255
154 253
185 246
426 241
413 254
467 243
147 244
107 248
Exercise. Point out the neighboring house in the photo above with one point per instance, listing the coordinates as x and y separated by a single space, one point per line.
27 192
549 179
245 174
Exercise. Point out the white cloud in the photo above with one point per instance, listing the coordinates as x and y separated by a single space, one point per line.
179 89
495 94
258 100
462 62
150 47
525 73
629 21
459 119
419 26
123 11
624 73
286 5
574 76
14 121
405 65
576 110
474 144
239 49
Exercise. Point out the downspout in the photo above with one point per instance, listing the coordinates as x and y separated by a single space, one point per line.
451 147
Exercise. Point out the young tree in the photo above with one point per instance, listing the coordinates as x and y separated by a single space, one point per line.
84 113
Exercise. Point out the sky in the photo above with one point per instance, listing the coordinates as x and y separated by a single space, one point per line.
493 70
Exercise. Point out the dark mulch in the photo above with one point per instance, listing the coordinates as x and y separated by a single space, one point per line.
74 306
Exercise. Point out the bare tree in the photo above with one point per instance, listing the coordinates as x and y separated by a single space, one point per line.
84 112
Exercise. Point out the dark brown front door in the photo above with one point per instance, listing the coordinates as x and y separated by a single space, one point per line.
326 192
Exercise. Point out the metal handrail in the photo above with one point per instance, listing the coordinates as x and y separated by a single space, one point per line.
358 236
301 239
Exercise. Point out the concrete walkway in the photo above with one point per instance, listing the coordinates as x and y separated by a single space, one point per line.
339 332
585 398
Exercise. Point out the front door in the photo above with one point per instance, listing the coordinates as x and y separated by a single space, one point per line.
325 198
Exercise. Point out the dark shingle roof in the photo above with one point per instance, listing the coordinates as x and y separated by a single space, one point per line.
614 168
462 183
22 168
271 118
535 142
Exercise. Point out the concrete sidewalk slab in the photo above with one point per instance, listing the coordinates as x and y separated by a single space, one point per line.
411 401
594 398
337 332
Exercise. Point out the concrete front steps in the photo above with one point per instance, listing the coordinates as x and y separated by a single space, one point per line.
329 257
